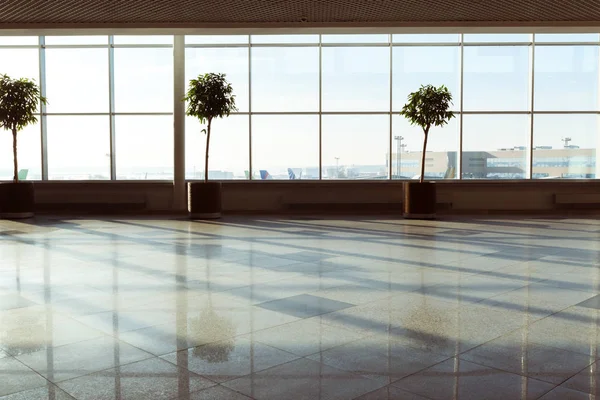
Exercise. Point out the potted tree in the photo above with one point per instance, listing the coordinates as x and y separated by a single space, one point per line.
426 108
19 101
209 96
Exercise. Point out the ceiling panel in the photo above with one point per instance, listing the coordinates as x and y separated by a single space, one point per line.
294 13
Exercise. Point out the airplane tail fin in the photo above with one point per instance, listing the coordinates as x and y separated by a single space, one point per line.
291 174
264 174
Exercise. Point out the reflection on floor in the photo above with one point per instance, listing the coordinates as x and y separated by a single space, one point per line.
304 308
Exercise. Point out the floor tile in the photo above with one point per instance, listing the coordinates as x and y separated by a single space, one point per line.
593 302
586 381
16 377
353 294
514 353
383 359
54 332
562 393
307 256
465 380
227 360
305 306
303 380
390 393
416 292
144 380
47 392
216 393
305 337
74 360
538 299
11 301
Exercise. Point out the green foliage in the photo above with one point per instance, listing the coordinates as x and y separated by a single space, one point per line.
210 96
429 106
19 100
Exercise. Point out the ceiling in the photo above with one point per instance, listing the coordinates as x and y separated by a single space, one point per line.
210 14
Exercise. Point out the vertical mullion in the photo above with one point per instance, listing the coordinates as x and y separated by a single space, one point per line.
320 108
459 158
391 114
179 186
43 119
529 174
249 109
111 102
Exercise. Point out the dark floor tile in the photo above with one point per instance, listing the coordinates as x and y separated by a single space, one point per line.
305 306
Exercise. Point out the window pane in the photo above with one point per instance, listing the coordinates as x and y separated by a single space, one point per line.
566 37
143 80
233 62
284 38
356 79
77 80
229 148
20 63
407 148
566 78
379 38
50 40
285 79
143 39
565 146
78 147
495 146
216 39
497 37
414 66
496 78
144 147
284 143
355 146
426 38
18 40
29 153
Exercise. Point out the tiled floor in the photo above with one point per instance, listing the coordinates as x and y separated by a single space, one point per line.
303 308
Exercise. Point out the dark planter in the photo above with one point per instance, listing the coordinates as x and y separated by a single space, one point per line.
419 200
17 200
204 200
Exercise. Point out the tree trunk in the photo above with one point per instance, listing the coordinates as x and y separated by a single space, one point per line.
15 162
426 132
207 147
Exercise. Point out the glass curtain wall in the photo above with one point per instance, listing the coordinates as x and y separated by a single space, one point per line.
311 106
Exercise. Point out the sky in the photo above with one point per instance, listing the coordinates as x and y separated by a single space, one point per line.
356 79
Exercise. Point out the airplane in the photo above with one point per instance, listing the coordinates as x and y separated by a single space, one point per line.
264 175
293 175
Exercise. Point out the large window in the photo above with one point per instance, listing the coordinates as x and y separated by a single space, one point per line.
285 79
231 61
144 147
496 78
20 63
229 155
565 146
495 146
143 80
77 80
407 147
311 106
285 146
416 65
356 79
29 154
566 78
78 147
355 146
